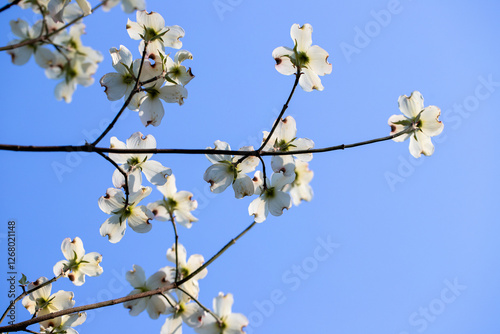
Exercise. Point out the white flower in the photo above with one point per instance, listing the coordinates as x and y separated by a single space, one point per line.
176 204
134 163
128 6
272 198
300 189
231 323
312 60
21 29
423 123
178 72
77 263
185 268
42 302
56 8
151 27
284 140
226 170
63 324
156 304
182 311
138 217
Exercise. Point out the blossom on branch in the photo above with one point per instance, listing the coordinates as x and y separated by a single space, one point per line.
174 204
128 6
182 311
134 163
227 322
421 123
299 189
227 170
312 61
137 216
77 263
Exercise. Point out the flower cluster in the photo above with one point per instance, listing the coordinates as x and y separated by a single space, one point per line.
291 172
146 81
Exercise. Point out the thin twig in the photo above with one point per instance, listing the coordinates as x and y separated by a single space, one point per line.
7 6
125 176
219 321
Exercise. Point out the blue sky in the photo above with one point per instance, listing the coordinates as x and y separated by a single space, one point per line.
389 244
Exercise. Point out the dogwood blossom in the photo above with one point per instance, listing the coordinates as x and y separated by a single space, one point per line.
182 311
151 27
178 72
156 304
300 189
272 197
134 163
56 8
42 302
284 140
63 324
227 170
185 268
230 323
311 60
77 263
137 216
423 124
174 203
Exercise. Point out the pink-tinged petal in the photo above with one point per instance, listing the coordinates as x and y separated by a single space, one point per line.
20 56
172 325
129 6
288 129
62 300
309 80
159 211
208 325
258 209
282 57
411 106
279 180
318 61
136 277
222 304
215 158
181 253
151 111
429 121
258 182
113 229
157 280
284 164
112 201
302 36
192 315
155 172
243 186
425 143
303 144
71 248
279 202
136 306
139 220
20 28
395 128
90 264
173 94
115 88
134 30
172 38
235 323
220 176
85 6
151 20
64 91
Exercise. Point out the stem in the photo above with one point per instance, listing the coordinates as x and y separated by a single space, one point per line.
176 246
285 107
90 148
219 321
213 258
22 325
25 293
7 6
129 98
